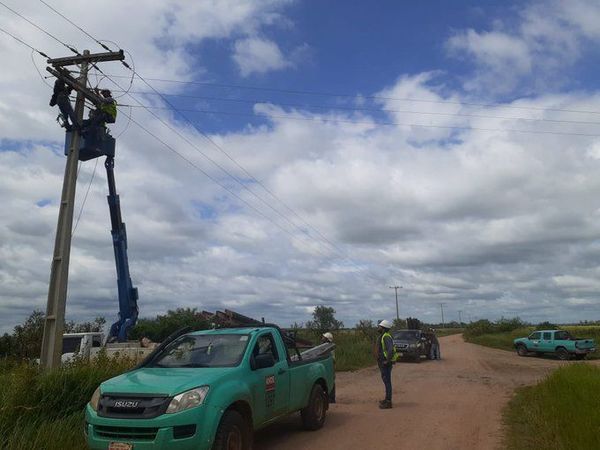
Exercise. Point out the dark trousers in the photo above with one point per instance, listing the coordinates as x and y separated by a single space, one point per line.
64 104
386 376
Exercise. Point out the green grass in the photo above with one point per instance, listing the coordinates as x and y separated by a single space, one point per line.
353 351
504 340
44 409
560 413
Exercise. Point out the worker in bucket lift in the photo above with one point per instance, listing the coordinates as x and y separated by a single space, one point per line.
385 360
61 97
105 112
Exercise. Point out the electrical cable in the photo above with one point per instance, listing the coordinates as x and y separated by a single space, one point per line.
367 97
372 123
73 49
212 178
24 43
215 180
84 198
361 109
76 26
38 71
164 99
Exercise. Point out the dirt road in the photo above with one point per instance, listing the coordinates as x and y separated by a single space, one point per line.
451 404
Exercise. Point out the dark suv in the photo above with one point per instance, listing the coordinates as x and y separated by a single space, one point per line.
411 344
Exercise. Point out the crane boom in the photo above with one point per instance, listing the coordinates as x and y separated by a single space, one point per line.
128 294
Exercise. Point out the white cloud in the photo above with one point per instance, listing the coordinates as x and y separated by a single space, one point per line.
547 38
491 222
258 55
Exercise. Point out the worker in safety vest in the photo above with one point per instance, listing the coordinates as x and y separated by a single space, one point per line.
385 360
105 112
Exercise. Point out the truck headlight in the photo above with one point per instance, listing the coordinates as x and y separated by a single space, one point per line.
95 399
187 400
413 345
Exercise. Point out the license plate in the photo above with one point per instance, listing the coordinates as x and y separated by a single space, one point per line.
400 355
120 446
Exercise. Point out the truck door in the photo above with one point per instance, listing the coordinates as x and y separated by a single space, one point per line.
534 342
547 343
275 381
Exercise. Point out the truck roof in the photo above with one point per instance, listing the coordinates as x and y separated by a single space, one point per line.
545 331
240 330
86 333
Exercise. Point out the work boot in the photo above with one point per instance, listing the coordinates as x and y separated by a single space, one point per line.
386 404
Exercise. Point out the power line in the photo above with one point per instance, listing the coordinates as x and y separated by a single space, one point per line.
192 144
76 26
214 143
213 179
206 137
21 41
367 97
363 109
85 197
372 123
74 50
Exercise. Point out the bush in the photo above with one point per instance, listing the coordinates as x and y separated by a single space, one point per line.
546 326
159 328
484 326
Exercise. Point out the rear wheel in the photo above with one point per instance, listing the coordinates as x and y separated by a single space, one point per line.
313 416
522 350
562 354
233 433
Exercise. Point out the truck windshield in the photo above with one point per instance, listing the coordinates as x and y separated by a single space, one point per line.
406 335
205 350
71 344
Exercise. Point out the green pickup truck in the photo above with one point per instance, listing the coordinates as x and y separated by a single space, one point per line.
558 342
210 390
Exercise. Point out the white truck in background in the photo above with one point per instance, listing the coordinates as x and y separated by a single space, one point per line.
88 345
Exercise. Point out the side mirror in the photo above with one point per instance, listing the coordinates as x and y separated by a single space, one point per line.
262 361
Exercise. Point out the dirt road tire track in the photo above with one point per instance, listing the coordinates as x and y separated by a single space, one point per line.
452 404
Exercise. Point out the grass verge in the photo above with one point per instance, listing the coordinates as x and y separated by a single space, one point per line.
560 413
44 409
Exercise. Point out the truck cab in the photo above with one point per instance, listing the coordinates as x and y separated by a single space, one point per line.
557 342
210 390
80 344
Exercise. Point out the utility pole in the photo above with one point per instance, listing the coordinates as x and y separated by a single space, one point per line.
460 317
397 310
54 322
442 308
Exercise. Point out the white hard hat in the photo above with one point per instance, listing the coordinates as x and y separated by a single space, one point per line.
385 324
328 336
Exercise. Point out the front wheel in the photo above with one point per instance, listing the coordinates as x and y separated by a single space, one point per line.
522 350
562 354
313 416
233 433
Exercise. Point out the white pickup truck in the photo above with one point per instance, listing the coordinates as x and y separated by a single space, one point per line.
87 345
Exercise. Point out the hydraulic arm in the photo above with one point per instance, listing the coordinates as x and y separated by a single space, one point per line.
128 295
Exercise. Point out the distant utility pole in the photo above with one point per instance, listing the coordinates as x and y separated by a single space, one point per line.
442 308
460 316
397 310
54 323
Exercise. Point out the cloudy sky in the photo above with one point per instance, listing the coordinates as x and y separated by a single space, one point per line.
320 152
